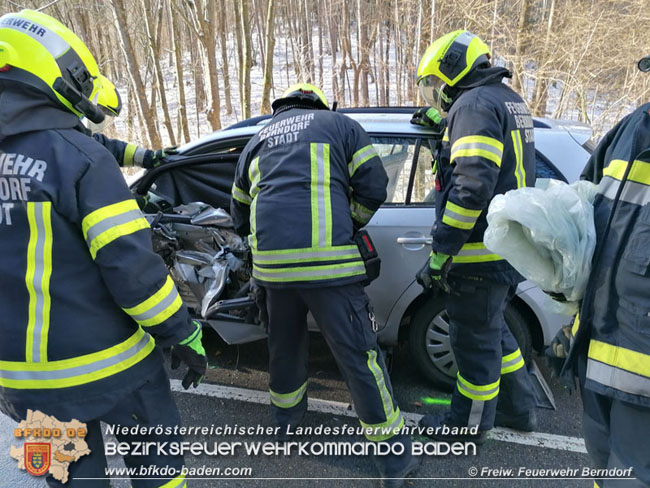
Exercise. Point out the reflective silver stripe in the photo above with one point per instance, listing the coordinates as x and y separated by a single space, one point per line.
616 378
41 288
381 430
108 223
138 156
360 157
476 145
254 176
462 218
320 195
377 372
73 371
240 195
479 393
288 400
316 255
159 307
50 40
519 159
475 413
360 213
512 362
633 192
310 273
474 252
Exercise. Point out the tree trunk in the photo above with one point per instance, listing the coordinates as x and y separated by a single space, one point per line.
175 41
520 47
225 73
155 56
148 114
265 107
247 62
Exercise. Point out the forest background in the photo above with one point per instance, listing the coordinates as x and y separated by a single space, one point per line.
187 68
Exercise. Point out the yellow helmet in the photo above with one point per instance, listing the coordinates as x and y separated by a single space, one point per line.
451 57
302 92
108 98
39 51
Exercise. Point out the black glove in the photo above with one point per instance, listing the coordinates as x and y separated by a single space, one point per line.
558 351
191 352
153 159
430 118
558 297
434 272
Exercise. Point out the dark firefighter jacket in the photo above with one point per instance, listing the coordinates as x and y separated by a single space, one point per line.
614 325
487 149
302 185
126 153
82 293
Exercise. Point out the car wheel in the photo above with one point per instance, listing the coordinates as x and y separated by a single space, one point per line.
430 344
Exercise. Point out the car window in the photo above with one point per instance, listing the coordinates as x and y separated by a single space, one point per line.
545 169
424 182
397 155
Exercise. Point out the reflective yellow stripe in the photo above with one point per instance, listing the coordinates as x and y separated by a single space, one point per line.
640 172
482 146
384 430
178 482
460 217
158 307
360 213
240 195
378 374
109 223
77 371
512 362
321 202
37 279
360 157
254 176
481 393
309 273
520 172
127 157
462 210
576 325
620 357
288 400
475 252
311 254
445 136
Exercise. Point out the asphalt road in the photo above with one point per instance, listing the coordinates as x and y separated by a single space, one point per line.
245 367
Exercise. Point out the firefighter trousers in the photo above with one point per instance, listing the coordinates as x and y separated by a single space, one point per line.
490 365
150 406
346 322
616 435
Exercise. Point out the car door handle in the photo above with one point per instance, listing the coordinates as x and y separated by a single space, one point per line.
414 240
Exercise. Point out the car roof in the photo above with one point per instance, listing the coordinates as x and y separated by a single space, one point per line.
382 121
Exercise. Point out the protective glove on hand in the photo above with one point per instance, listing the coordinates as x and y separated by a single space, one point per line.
430 118
153 159
556 354
434 272
190 351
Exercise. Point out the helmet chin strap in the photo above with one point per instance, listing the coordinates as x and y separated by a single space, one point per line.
78 100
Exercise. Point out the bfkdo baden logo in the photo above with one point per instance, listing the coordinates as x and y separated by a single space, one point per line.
50 446
37 457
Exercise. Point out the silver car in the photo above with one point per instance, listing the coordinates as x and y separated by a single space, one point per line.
400 229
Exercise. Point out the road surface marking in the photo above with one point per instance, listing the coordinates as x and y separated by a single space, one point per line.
537 439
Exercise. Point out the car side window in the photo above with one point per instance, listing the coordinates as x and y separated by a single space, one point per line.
425 182
545 169
397 154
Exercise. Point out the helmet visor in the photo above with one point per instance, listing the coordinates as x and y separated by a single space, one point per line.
432 91
109 119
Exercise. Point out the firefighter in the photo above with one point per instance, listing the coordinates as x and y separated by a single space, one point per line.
303 185
486 149
85 300
612 334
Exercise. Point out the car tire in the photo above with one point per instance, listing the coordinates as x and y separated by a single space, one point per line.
430 344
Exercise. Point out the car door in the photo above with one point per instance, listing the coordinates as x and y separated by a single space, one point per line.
401 228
